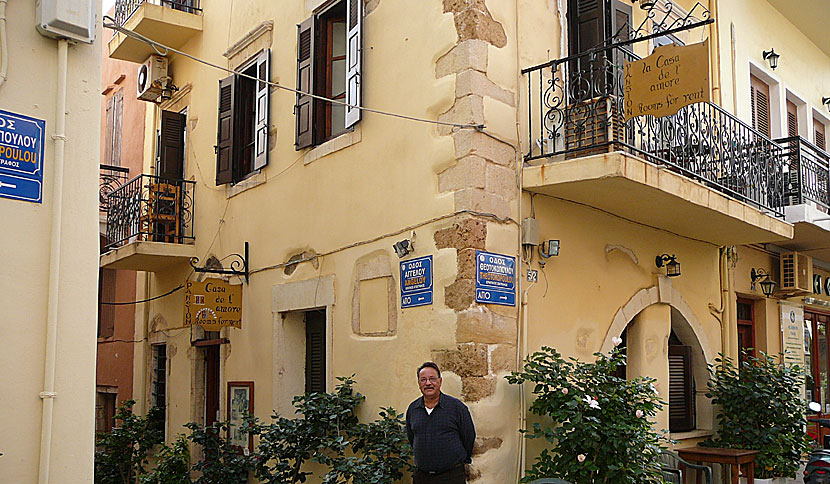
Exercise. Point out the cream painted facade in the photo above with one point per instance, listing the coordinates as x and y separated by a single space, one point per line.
47 353
339 206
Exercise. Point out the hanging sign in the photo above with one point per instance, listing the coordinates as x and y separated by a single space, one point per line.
213 304
21 157
672 77
495 278
792 333
416 282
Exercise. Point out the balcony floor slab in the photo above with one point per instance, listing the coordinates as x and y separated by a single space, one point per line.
147 256
631 188
160 23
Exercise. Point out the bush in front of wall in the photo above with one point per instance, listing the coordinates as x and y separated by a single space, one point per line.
121 454
172 464
760 408
599 426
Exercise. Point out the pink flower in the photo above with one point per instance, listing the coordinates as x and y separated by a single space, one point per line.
616 340
564 391
639 413
581 457
592 402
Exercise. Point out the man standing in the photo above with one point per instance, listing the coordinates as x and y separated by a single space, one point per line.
440 430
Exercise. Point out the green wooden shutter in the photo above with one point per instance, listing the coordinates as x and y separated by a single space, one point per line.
304 109
681 394
315 351
224 132
171 145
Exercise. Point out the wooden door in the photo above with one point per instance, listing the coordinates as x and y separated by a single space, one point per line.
759 98
211 384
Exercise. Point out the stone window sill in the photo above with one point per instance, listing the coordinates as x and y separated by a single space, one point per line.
692 434
343 141
246 184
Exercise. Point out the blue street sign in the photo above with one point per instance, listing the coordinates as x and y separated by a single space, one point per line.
495 278
416 282
21 157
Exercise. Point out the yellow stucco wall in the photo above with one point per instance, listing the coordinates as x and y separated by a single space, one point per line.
24 278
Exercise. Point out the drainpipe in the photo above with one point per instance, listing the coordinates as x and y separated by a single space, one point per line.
714 35
48 394
718 312
4 45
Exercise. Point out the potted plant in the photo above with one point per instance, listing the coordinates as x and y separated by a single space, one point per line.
760 408
597 424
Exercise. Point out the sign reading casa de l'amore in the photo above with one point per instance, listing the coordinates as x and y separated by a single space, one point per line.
213 304
21 157
671 78
495 278
416 282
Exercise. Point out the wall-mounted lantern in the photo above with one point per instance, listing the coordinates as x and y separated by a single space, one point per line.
771 57
826 102
762 278
670 261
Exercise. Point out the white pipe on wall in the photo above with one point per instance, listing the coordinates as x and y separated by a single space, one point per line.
48 394
4 44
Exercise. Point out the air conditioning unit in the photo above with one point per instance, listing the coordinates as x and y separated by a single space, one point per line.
796 273
152 77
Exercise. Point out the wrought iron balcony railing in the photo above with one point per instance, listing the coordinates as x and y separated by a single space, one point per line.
809 172
125 8
110 177
151 208
576 109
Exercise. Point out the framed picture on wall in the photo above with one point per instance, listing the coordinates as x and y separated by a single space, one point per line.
240 405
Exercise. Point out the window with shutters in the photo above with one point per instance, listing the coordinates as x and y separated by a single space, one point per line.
819 132
114 116
681 387
158 381
315 351
792 119
328 66
746 329
242 130
759 99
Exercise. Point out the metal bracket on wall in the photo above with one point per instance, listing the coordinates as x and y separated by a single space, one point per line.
238 266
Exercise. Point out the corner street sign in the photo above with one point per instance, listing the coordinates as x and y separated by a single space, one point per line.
495 278
21 157
416 282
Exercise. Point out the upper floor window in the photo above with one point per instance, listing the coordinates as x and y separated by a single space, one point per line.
759 99
820 130
112 141
328 65
242 132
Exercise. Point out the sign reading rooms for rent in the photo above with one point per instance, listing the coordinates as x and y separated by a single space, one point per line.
21 157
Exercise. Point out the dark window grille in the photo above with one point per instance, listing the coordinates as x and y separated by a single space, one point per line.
159 382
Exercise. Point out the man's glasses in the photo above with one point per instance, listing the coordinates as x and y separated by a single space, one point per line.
432 379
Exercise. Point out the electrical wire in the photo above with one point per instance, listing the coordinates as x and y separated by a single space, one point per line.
164 50
127 303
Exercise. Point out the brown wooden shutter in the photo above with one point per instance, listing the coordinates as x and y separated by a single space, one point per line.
820 132
792 119
586 24
106 293
262 110
117 121
108 138
171 145
354 52
681 394
315 351
304 109
224 131
759 97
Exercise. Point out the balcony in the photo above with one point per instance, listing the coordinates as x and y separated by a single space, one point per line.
149 224
701 172
807 197
170 22
109 178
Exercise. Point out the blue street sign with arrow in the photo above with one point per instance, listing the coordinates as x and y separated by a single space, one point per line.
495 278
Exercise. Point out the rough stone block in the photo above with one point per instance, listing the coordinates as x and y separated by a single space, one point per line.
467 234
501 180
482 326
460 294
473 21
466 264
474 388
478 200
475 82
470 54
469 172
483 444
472 142
469 360
466 110
503 359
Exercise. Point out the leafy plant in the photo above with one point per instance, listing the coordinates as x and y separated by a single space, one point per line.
121 454
598 425
221 462
172 464
760 407
329 433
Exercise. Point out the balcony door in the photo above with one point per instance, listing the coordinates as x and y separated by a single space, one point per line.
170 154
820 131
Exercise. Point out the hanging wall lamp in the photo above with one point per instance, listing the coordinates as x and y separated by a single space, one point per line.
647 4
762 278
826 102
771 57
670 261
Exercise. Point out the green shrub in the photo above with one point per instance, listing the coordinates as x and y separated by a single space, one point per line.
760 407
597 424
121 454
